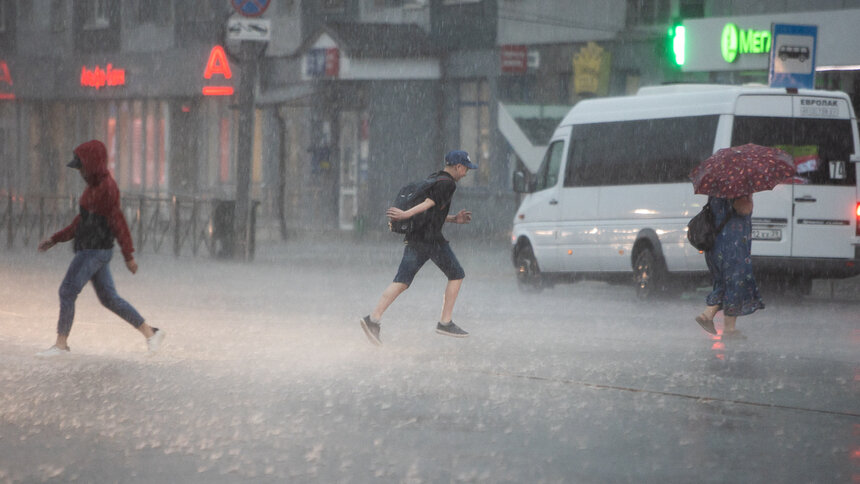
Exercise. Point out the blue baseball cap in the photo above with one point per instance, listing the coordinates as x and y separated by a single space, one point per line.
459 157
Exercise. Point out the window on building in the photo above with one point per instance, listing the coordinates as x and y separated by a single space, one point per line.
474 109
285 7
97 15
3 13
400 3
333 6
59 16
691 9
647 12
25 11
154 11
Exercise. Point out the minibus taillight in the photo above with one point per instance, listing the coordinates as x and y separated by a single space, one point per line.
857 221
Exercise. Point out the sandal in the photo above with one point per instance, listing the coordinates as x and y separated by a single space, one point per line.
734 334
706 323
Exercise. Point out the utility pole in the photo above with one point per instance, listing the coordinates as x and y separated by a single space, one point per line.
253 36
245 132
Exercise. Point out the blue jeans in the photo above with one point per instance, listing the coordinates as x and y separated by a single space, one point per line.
92 265
416 254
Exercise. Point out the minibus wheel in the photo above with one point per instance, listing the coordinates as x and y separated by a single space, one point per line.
529 278
648 274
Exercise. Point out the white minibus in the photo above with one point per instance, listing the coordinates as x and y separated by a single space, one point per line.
612 194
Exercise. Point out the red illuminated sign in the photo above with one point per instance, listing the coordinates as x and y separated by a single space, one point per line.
514 59
99 78
5 78
217 65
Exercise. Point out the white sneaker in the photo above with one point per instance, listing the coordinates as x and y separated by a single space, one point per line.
154 341
52 352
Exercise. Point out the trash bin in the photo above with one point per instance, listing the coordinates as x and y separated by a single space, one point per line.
224 231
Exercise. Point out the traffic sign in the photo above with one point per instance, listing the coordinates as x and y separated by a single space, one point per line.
249 29
250 8
792 56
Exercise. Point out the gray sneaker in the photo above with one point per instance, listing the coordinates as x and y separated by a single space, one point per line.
154 342
371 329
451 329
53 352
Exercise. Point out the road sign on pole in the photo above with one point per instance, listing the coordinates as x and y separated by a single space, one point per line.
258 29
792 56
250 8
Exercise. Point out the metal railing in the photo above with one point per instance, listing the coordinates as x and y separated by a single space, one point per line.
184 224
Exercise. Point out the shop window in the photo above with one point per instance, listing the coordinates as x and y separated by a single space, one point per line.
474 119
224 150
110 138
137 145
150 149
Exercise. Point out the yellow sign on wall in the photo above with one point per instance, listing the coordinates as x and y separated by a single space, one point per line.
591 66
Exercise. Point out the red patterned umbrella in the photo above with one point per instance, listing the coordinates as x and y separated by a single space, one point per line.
742 170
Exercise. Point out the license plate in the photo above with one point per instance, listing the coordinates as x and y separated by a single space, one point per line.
767 234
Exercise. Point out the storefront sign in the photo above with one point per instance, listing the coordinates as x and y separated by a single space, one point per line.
735 41
99 78
217 67
591 70
6 91
514 59
323 62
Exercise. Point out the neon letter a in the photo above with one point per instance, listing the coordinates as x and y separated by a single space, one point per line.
5 77
217 64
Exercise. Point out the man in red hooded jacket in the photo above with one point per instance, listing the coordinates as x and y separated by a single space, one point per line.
93 230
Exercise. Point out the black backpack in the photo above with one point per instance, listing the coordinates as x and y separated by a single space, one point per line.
701 231
409 196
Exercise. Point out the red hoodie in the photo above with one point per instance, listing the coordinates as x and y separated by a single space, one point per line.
101 219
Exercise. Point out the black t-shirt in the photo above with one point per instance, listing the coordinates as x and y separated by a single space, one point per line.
441 193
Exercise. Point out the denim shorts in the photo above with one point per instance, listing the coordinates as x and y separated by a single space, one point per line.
416 254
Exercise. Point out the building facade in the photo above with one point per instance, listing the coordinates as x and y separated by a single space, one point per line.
353 98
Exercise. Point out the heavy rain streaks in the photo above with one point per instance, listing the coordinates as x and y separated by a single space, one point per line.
267 376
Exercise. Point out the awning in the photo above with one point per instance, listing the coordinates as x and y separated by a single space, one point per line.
528 129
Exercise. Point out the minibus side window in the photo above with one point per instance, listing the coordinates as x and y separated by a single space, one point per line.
639 151
547 175
821 147
572 172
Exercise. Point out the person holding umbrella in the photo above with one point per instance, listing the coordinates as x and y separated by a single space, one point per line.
729 178
93 231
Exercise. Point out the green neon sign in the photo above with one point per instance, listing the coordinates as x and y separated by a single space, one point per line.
677 35
735 41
